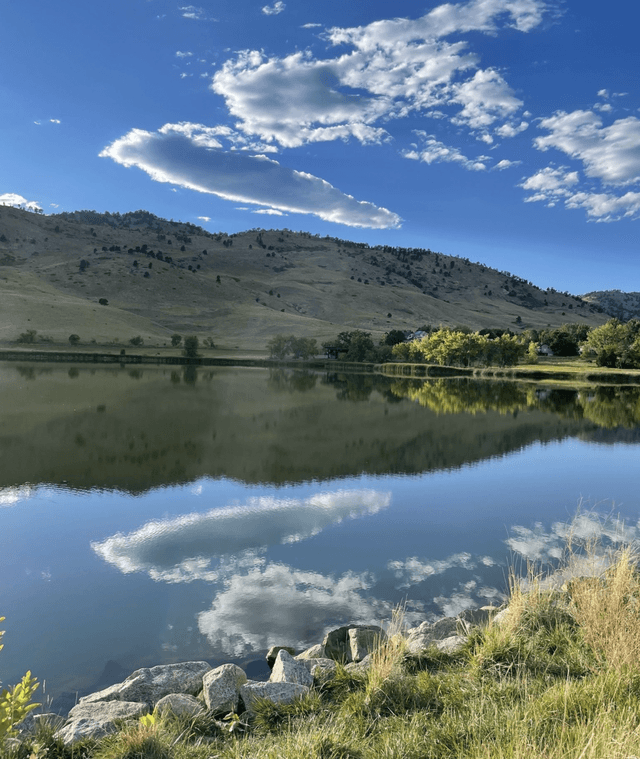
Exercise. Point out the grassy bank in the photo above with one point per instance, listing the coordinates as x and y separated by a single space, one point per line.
556 676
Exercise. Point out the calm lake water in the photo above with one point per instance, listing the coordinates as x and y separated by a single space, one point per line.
155 515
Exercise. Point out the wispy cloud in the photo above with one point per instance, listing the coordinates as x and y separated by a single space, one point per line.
192 156
433 151
396 67
609 156
207 546
180 54
273 10
195 13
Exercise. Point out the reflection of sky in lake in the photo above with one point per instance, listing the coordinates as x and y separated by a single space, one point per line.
217 569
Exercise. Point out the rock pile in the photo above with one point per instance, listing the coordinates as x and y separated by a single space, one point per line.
195 687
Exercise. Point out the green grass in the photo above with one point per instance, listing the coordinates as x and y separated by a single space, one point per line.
557 678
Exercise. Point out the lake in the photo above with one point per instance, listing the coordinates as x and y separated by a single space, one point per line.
154 515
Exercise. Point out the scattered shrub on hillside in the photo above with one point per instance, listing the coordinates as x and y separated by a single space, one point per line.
137 340
103 302
74 339
176 340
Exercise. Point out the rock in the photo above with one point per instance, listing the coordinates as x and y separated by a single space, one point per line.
361 666
273 652
320 667
471 618
364 640
180 704
451 644
501 617
421 637
287 670
337 642
278 693
315 652
221 688
94 720
150 685
31 722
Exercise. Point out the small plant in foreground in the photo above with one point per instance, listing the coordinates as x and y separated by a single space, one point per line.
15 702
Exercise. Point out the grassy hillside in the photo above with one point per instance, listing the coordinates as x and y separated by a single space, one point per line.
161 277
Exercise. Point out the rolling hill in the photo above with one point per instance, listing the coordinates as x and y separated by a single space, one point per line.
159 277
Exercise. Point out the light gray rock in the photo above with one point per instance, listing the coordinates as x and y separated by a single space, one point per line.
361 666
320 667
149 685
315 652
221 688
32 722
471 618
278 693
337 642
273 652
98 719
421 637
501 617
287 670
451 644
180 704
364 640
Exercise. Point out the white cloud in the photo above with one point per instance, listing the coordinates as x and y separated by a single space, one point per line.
486 98
277 604
611 154
505 164
55 121
392 68
211 545
603 93
185 76
180 54
606 206
434 151
511 130
310 26
17 201
190 155
11 496
550 184
196 13
603 107
269 212
204 218
273 10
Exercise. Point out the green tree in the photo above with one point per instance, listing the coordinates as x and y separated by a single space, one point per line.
137 340
176 340
303 347
279 346
74 339
615 344
191 345
394 337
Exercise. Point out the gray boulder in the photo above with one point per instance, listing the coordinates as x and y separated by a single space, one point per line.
287 670
221 688
150 685
94 720
421 637
450 645
471 618
278 693
364 640
180 704
361 666
273 652
320 667
337 643
315 652
32 722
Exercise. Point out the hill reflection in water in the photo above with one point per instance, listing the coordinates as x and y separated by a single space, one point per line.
135 429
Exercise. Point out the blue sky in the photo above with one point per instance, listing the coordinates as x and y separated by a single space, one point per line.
505 131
